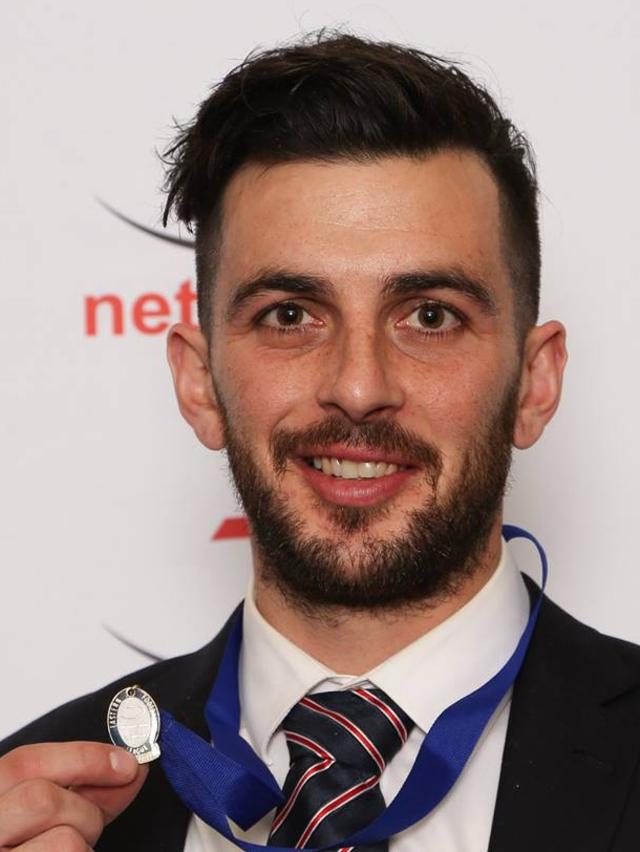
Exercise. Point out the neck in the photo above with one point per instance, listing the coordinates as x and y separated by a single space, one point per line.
349 642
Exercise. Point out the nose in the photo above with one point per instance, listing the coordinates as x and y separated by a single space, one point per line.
358 379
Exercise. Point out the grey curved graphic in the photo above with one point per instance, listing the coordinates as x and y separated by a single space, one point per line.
131 645
160 235
169 238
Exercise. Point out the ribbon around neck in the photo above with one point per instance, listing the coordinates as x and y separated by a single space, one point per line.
229 781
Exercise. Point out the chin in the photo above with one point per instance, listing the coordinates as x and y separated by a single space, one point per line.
335 522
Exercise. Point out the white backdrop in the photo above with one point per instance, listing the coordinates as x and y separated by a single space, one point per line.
108 504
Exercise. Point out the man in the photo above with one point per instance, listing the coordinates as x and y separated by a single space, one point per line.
368 279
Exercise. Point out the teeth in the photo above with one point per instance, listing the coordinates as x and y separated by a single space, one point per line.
367 470
349 469
345 469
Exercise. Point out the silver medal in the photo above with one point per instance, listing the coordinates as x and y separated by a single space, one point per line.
133 722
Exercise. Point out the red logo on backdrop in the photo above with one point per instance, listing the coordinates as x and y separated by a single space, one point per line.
148 313
231 528
151 313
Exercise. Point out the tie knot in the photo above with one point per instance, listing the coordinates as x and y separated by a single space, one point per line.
362 728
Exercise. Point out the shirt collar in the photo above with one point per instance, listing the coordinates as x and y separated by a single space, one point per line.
274 675
453 659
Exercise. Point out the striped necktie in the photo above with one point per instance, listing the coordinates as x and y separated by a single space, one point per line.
339 744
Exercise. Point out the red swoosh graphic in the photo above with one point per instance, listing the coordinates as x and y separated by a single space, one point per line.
231 528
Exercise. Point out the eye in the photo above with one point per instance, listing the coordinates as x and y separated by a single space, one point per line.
286 315
432 317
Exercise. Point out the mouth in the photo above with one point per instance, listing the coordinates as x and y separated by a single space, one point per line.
349 469
355 477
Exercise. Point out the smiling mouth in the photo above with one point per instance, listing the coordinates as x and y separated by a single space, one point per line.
341 468
359 477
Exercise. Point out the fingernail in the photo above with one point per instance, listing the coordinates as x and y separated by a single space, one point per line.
122 762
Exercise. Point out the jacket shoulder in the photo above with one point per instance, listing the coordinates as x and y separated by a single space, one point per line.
570 762
583 656
156 819
76 719
180 685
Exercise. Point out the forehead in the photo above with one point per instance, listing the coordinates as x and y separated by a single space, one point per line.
351 221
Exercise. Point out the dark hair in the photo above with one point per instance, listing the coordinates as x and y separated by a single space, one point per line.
338 96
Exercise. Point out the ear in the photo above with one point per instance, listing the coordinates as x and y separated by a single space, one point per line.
545 356
188 355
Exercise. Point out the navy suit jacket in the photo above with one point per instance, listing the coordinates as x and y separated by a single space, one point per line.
570 778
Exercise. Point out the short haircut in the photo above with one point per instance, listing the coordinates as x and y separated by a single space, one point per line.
335 96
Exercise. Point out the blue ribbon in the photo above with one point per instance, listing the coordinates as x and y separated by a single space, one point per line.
229 781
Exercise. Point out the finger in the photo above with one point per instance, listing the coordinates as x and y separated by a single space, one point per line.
113 800
68 764
33 807
63 838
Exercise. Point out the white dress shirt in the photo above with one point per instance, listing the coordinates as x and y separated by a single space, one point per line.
434 671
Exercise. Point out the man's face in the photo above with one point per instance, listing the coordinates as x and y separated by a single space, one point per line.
365 361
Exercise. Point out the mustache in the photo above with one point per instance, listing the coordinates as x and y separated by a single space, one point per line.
385 435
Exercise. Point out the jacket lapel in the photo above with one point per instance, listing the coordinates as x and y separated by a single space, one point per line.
572 741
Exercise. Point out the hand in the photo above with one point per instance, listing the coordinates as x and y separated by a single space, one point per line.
58 797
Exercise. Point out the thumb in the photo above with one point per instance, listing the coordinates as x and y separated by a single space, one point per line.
113 800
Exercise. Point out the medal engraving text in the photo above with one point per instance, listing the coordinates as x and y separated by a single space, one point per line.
133 722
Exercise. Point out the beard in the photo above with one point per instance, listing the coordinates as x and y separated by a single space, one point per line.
442 543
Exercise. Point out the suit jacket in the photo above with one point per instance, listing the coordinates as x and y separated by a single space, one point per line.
570 778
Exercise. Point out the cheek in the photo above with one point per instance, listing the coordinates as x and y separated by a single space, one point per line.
259 396
452 407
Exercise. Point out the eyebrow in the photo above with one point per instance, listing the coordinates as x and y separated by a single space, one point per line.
280 281
404 284
442 279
